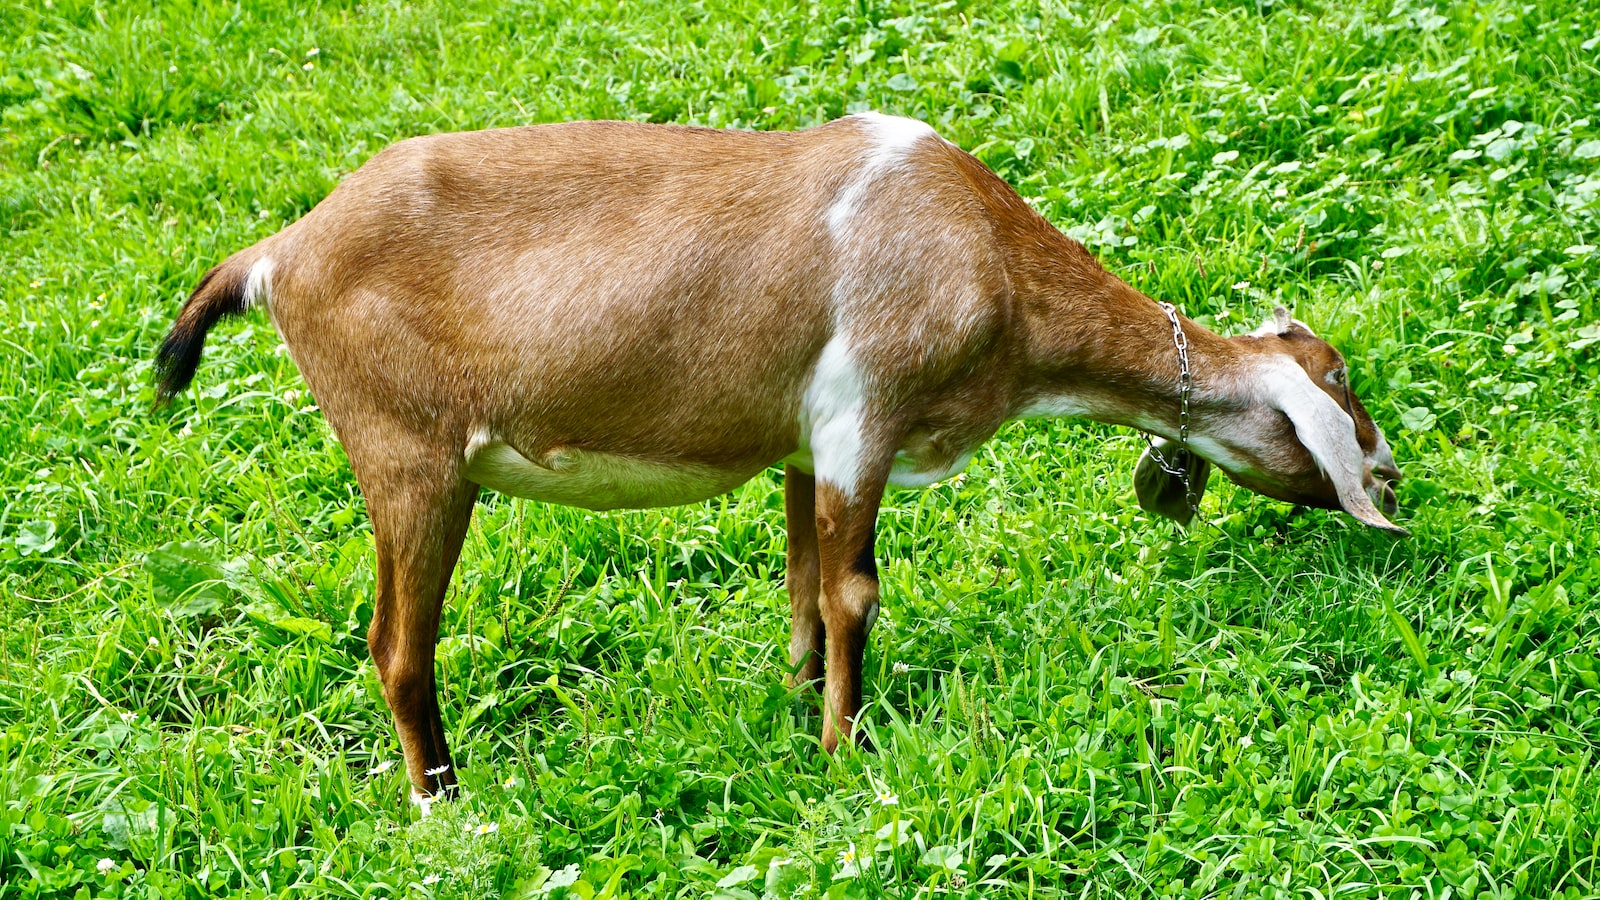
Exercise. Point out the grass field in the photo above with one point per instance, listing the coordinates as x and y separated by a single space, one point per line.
1069 698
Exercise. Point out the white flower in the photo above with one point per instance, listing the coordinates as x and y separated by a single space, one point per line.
510 783
128 716
887 799
106 864
313 51
901 668
383 767
1246 741
309 66
436 771
486 828
780 862
1241 285
430 879
849 862
423 801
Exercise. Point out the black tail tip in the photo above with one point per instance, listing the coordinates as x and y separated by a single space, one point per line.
176 362
217 295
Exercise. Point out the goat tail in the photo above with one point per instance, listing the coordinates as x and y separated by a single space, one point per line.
226 290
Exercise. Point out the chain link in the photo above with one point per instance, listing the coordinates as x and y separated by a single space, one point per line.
1185 389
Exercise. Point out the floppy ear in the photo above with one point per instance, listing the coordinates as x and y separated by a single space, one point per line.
1328 432
1161 492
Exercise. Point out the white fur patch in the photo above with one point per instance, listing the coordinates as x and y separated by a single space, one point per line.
590 479
258 284
1218 453
832 412
892 137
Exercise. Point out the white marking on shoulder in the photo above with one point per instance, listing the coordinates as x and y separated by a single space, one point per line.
258 284
892 137
832 412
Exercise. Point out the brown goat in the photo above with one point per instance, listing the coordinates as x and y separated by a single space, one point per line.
610 315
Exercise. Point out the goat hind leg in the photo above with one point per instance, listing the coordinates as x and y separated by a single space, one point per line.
455 532
419 519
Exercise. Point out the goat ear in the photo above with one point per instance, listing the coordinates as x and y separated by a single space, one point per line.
1282 320
1161 492
1325 429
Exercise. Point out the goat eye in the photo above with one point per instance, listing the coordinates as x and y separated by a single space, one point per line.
1336 377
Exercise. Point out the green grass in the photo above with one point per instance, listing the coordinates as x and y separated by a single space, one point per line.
1069 699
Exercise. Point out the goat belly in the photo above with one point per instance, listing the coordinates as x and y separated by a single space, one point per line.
596 480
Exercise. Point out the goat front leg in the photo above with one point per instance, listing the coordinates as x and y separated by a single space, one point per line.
807 639
846 523
419 519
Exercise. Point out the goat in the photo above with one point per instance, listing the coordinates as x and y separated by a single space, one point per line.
620 315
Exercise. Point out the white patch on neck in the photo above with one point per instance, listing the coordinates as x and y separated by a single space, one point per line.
892 138
832 413
258 284
1218 454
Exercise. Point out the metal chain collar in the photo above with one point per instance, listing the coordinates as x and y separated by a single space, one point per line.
1185 389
